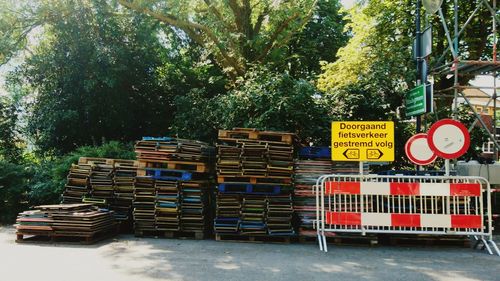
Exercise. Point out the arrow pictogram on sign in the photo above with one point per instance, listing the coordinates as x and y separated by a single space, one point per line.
351 153
374 153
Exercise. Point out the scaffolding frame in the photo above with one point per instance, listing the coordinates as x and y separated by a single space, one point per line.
458 67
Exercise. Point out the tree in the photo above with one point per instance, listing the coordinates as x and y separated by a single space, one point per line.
380 47
268 100
320 40
94 76
10 141
382 37
236 33
13 188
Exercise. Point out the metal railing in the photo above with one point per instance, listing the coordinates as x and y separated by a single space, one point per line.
433 205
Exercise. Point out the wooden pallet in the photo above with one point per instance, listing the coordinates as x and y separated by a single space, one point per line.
198 167
27 237
253 238
253 134
193 235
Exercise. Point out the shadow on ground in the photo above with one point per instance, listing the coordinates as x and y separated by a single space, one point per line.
129 258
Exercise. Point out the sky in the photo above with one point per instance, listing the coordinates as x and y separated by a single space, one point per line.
348 3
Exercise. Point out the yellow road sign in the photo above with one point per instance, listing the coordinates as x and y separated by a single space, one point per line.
363 141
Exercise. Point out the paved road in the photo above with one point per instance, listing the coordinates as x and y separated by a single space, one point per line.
128 258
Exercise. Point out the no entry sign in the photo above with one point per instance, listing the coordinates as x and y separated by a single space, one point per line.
449 138
418 151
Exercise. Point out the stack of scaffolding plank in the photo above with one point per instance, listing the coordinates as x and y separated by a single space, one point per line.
313 162
123 188
304 200
227 213
167 205
144 204
254 176
101 181
83 222
77 184
180 170
107 183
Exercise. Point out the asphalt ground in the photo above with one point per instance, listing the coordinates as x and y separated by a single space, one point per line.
126 257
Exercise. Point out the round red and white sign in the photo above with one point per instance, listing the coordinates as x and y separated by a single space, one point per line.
449 138
418 151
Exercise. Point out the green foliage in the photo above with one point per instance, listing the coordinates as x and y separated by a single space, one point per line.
93 76
319 41
236 33
380 47
264 100
49 175
196 116
9 141
13 188
40 182
274 101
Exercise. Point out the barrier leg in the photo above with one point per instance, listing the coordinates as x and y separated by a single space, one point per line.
476 244
494 245
486 245
320 242
324 243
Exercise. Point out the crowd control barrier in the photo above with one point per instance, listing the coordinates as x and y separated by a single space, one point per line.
433 205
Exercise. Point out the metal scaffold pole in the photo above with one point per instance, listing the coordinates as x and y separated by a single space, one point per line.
418 55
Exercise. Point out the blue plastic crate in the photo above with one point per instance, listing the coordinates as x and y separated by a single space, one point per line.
157 139
315 152
167 174
249 188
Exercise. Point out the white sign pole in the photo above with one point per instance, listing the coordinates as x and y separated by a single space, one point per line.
447 167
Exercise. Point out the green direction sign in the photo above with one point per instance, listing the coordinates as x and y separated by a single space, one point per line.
415 101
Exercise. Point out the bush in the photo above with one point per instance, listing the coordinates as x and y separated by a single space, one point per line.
274 101
38 182
13 189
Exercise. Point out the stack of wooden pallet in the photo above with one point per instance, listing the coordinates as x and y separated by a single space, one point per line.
254 176
313 163
107 183
144 204
77 184
180 172
123 188
83 222
101 180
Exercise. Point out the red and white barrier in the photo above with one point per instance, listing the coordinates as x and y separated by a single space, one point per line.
404 205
